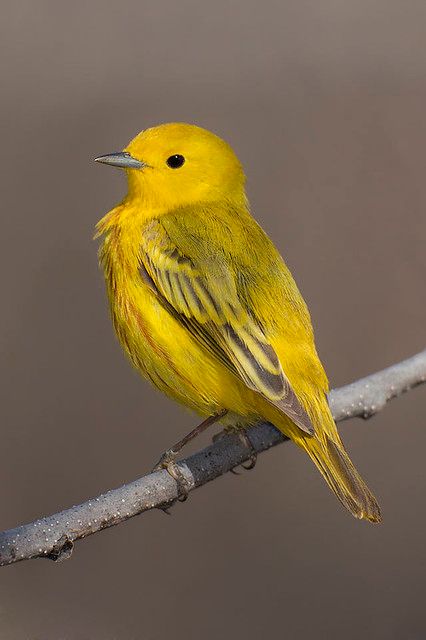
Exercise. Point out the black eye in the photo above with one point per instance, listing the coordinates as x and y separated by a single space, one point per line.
176 161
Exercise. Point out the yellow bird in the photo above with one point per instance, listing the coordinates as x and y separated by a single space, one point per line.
205 307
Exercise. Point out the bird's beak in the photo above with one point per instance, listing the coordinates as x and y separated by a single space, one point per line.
121 159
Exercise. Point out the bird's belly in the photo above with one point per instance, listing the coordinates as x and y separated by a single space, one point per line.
166 353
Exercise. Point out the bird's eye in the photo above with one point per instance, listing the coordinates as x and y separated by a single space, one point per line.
176 161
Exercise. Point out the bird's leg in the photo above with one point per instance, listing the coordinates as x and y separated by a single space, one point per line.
168 459
241 432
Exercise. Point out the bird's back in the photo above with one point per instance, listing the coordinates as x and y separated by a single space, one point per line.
220 237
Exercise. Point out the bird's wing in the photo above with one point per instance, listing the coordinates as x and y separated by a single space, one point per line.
204 299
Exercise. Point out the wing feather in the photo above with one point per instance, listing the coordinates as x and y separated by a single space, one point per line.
209 307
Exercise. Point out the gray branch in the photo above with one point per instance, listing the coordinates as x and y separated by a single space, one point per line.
54 537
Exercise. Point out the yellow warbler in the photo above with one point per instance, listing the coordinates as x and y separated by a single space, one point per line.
204 305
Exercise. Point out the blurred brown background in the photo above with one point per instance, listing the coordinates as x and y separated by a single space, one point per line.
325 104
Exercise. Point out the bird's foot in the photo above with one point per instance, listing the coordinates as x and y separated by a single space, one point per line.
242 434
218 436
168 462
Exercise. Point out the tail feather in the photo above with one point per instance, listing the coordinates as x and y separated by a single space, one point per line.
327 452
343 479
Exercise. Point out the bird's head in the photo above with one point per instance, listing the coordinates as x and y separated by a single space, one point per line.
177 164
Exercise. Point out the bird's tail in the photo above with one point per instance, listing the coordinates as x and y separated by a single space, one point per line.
341 476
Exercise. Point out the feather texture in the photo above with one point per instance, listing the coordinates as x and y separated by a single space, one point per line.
205 307
221 322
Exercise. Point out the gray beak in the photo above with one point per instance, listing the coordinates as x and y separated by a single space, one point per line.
121 159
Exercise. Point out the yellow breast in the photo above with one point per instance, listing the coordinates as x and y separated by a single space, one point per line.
156 343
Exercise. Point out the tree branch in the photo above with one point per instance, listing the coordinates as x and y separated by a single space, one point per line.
53 537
